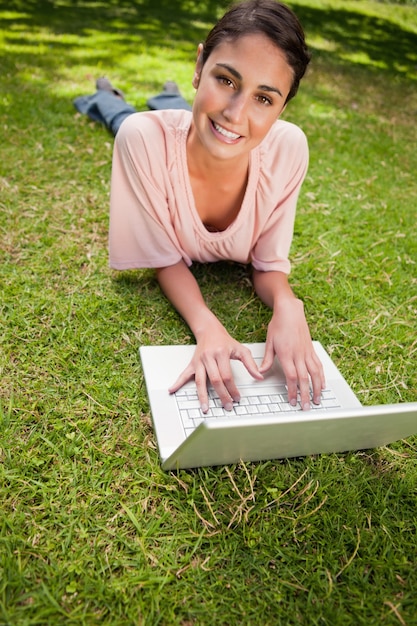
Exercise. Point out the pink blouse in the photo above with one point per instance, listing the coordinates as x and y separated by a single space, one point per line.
153 218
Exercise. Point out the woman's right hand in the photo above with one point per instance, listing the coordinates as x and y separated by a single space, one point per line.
215 347
211 363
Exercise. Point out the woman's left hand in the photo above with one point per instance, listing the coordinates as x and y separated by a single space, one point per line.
288 338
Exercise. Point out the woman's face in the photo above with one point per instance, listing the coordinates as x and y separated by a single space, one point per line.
241 91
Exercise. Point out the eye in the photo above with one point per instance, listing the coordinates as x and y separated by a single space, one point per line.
264 100
225 80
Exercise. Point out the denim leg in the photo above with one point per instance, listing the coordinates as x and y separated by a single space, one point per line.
104 107
166 100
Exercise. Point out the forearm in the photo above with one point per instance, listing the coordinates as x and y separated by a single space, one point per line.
182 290
272 288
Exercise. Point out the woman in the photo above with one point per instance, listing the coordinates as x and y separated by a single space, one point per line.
221 182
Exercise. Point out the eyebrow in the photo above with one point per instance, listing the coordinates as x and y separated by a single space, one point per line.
239 76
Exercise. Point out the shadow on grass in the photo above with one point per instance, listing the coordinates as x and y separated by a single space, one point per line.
348 37
226 287
355 38
216 278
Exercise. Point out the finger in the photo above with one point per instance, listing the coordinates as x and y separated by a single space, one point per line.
291 380
201 384
184 377
221 378
304 386
244 355
268 357
318 381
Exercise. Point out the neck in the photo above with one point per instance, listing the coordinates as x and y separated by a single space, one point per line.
203 166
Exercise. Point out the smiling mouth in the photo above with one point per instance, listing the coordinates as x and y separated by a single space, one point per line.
225 133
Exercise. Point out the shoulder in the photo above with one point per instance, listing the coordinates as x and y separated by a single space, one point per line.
154 125
151 141
287 135
285 148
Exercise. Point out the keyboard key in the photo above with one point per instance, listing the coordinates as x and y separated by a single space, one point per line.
188 404
287 407
264 399
263 408
330 403
274 408
217 411
186 421
276 398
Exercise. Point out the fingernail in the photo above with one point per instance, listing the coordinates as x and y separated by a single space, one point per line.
204 408
306 406
293 402
228 406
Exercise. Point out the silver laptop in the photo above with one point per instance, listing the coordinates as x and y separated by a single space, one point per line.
262 425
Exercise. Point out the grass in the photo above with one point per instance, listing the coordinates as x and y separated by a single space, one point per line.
92 530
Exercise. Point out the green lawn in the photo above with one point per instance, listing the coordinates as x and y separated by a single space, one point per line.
92 530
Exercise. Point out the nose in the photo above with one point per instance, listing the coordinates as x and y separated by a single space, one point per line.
235 108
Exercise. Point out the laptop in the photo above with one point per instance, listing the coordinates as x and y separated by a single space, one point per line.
262 425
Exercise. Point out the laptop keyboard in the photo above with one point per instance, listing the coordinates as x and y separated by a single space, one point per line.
264 402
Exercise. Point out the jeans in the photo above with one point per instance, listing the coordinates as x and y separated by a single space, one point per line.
108 109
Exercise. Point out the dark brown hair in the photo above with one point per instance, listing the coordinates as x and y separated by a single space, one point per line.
270 18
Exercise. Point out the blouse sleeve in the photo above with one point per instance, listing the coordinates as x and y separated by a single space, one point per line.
141 232
284 169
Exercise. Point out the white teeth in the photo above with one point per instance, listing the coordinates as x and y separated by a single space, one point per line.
224 132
